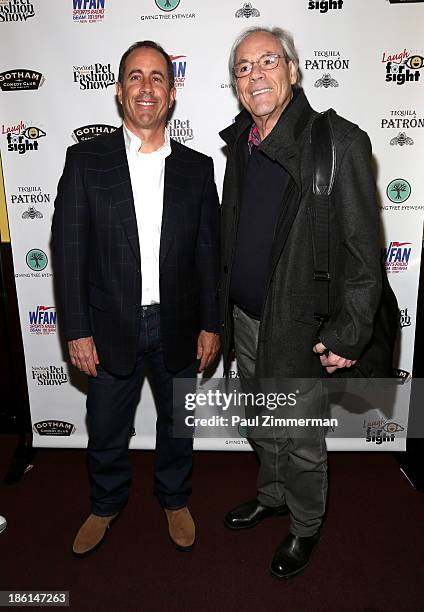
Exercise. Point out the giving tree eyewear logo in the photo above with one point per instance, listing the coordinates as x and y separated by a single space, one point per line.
398 191
36 260
167 8
167 5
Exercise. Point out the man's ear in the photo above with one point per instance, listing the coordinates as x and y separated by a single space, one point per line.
119 91
292 72
172 95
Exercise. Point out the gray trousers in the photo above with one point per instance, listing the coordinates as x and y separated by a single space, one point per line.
293 463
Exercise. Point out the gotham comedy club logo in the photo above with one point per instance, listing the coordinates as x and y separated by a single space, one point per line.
87 132
54 428
19 79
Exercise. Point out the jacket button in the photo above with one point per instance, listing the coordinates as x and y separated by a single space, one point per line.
225 269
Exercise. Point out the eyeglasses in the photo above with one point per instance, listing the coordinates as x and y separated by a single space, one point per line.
265 62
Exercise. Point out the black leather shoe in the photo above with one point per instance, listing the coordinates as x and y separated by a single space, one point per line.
292 556
250 514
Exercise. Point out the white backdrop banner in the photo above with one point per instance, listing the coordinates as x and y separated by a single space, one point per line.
58 67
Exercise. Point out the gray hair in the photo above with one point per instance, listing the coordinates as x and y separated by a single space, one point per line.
283 36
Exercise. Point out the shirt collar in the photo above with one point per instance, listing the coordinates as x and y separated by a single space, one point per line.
254 138
133 143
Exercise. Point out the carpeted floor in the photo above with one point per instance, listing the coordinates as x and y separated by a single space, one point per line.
371 556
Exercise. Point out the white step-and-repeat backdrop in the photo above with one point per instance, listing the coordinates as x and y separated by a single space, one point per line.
58 67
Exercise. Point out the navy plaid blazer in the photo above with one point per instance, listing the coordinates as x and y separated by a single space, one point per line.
96 253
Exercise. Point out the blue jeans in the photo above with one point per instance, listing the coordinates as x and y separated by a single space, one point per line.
111 404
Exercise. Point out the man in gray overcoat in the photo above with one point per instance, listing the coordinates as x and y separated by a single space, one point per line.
268 291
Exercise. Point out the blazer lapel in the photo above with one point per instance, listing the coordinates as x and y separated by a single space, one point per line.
172 194
122 195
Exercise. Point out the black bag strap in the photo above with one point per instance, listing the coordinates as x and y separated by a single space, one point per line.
324 169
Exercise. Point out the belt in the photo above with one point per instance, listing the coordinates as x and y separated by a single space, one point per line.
149 309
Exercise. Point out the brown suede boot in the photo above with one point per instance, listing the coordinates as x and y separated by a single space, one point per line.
91 534
182 530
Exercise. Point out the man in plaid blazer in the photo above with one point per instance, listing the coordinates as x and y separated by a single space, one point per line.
135 238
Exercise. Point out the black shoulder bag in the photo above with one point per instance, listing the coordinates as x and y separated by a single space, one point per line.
376 359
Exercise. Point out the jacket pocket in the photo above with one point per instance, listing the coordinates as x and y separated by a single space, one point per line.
303 308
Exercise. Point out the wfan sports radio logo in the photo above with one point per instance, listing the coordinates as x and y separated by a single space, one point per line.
180 130
26 140
43 320
167 8
16 10
247 10
20 79
54 428
179 64
402 67
323 6
49 376
381 431
88 11
327 60
396 256
94 76
87 132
